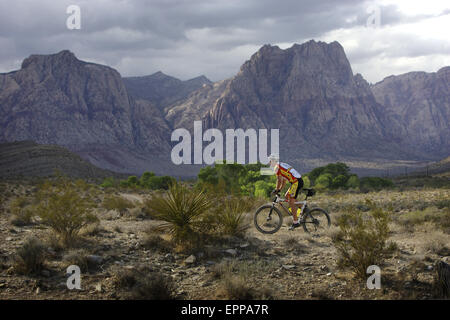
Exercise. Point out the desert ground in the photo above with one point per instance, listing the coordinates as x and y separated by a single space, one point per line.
124 248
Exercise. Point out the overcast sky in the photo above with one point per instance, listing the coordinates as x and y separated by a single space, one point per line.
215 37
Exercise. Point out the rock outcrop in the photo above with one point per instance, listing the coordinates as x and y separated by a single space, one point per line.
420 102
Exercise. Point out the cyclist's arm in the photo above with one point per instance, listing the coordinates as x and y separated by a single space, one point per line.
280 182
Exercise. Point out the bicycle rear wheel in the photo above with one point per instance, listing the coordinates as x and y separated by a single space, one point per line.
268 219
316 221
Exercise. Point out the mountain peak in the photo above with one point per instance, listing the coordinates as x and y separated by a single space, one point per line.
65 56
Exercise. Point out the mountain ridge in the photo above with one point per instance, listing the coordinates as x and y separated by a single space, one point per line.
309 91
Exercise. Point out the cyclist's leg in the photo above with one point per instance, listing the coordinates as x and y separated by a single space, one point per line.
299 188
291 195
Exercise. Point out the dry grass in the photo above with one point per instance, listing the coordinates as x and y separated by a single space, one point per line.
144 285
30 257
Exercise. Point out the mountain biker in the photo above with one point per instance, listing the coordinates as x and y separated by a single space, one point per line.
284 173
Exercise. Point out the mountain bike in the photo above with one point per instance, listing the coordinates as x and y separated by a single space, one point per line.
269 219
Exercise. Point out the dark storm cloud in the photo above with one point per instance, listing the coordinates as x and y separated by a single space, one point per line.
185 38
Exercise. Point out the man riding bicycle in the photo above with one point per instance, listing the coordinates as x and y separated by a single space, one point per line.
284 173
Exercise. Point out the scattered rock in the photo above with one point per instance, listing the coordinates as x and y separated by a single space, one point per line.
190 260
38 290
288 266
324 268
98 287
232 252
329 274
8 238
244 245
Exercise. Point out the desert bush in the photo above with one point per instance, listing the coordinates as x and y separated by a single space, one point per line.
230 215
21 210
30 257
361 240
143 285
440 217
117 203
77 257
182 209
156 243
238 288
65 211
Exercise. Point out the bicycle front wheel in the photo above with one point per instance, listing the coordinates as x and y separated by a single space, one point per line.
316 221
268 219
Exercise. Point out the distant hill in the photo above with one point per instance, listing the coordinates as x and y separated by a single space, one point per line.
162 90
29 159
441 168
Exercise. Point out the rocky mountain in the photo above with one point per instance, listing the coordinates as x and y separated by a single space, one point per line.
58 99
29 159
420 102
310 93
324 112
162 90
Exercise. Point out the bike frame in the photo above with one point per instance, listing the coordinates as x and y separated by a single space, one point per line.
279 200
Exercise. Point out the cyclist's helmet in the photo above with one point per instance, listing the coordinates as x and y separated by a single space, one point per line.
273 159
274 156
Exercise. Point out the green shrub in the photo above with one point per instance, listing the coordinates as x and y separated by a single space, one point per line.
323 181
353 182
144 180
339 182
117 203
62 208
333 169
108 183
306 182
30 257
181 208
361 240
375 183
263 189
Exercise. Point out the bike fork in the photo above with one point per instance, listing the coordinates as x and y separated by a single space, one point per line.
269 217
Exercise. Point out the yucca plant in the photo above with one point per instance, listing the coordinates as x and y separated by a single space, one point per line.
181 208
